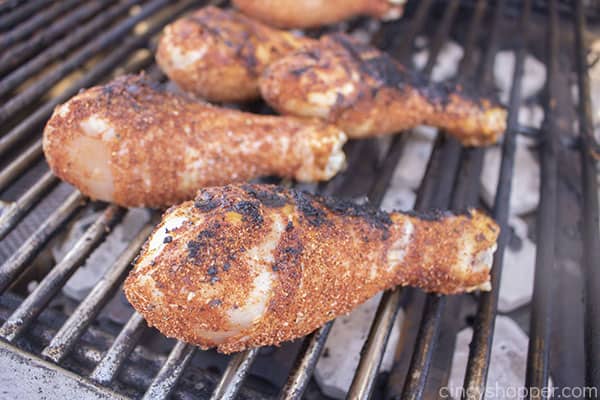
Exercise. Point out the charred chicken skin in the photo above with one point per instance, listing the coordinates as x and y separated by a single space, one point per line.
253 265
219 54
131 143
314 13
365 92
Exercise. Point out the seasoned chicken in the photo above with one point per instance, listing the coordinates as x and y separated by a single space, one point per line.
130 143
365 92
219 55
252 265
314 13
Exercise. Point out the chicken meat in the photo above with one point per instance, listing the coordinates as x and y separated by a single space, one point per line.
219 54
131 143
315 13
252 265
365 92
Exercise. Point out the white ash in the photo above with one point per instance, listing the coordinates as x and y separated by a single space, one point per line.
409 172
411 167
533 80
508 359
518 270
420 57
86 276
366 31
447 62
531 116
524 197
336 367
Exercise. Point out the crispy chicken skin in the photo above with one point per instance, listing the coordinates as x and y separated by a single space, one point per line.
314 13
252 265
219 54
131 143
365 92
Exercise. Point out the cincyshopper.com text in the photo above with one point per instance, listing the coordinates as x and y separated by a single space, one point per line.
521 392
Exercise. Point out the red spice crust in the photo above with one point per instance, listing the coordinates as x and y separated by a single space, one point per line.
307 14
331 257
229 52
167 146
374 94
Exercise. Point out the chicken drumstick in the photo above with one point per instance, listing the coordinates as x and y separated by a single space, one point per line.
219 54
133 144
366 92
252 265
314 13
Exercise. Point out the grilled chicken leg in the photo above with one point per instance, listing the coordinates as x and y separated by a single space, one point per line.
314 13
252 265
219 55
130 143
365 92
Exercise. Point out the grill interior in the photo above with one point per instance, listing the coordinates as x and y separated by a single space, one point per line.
50 50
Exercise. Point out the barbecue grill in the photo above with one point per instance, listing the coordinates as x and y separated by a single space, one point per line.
50 50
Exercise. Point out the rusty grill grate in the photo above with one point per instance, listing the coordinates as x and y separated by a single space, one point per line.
71 45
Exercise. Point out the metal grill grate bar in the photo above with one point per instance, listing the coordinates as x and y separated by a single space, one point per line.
306 363
416 25
483 333
31 307
14 35
62 47
107 369
19 14
441 35
8 5
545 267
84 314
166 380
102 42
17 54
18 262
18 209
234 375
20 164
591 236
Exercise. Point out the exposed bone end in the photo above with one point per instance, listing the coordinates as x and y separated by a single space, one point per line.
322 157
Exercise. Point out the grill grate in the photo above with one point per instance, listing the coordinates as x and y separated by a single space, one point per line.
452 179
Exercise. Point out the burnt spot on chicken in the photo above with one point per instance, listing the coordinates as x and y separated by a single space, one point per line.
304 203
250 211
207 233
193 248
215 303
376 218
387 72
205 202
268 198
292 250
212 270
